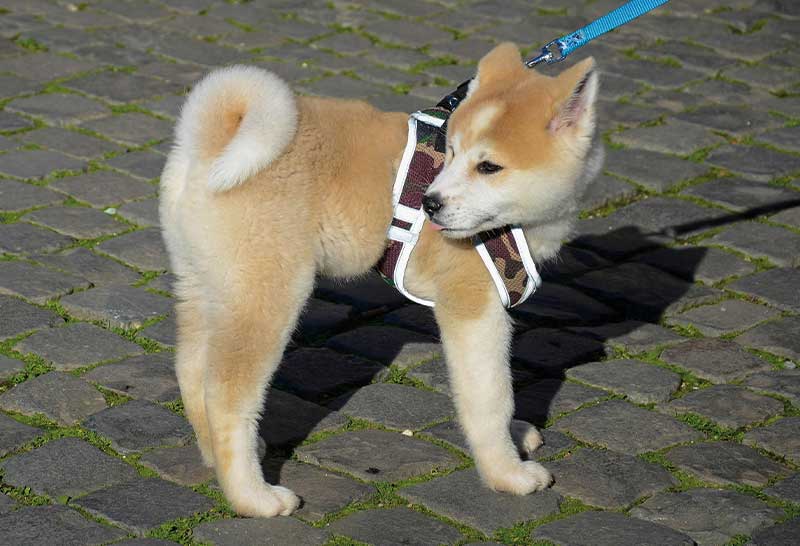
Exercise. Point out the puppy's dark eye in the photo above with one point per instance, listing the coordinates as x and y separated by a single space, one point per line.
484 167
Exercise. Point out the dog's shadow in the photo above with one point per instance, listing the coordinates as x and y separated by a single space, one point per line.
604 289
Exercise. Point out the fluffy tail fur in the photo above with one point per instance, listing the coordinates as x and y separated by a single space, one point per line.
238 118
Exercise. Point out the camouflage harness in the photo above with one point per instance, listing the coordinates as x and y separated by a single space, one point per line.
504 251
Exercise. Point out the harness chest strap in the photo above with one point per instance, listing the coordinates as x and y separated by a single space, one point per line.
504 252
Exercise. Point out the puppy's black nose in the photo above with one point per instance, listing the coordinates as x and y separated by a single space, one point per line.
431 204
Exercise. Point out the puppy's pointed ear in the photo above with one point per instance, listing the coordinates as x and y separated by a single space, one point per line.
501 63
576 91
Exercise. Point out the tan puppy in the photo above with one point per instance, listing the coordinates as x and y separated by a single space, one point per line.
263 191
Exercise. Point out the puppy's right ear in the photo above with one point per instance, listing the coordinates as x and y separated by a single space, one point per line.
500 64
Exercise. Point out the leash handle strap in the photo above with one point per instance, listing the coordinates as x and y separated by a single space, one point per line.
558 49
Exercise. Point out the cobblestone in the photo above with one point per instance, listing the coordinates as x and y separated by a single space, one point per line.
675 250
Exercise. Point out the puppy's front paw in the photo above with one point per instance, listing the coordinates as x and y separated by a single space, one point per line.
526 437
523 478
265 501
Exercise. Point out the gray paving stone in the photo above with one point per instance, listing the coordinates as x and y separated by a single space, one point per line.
320 374
20 317
414 317
729 405
645 224
343 87
556 302
780 337
632 335
88 265
120 305
322 491
455 496
133 128
435 375
59 108
547 351
779 245
639 381
623 427
549 398
781 437
76 345
724 317
320 317
16 196
784 138
387 345
273 532
726 463
735 119
777 535
716 360
70 142
104 188
785 383
709 516
138 425
706 264
10 367
367 293
376 455
396 406
13 122
605 189
143 213
143 249
35 283
582 530
23 238
755 162
65 467
149 377
141 505
673 137
775 286
122 87
78 222
182 464
644 292
11 85
142 164
58 396
789 217
788 489
164 332
607 479
287 420
55 524
14 434
740 194
36 163
395 527
199 52
7 504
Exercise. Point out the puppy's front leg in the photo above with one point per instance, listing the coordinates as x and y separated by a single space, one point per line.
477 343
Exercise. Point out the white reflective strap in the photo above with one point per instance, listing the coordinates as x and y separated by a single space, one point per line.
401 235
406 214
498 282
430 120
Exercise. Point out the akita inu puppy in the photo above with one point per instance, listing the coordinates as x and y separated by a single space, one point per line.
264 190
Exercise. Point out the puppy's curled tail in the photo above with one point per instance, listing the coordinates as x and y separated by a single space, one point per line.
239 118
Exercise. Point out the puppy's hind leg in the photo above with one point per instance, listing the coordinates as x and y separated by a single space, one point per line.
251 325
476 347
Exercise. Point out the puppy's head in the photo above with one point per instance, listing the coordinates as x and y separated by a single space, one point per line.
516 146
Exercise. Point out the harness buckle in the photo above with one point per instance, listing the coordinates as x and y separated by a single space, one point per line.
551 53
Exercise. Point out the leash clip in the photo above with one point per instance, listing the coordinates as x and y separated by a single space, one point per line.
551 53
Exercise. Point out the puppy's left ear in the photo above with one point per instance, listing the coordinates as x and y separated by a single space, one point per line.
575 98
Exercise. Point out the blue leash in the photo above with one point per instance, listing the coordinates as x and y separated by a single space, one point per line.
558 49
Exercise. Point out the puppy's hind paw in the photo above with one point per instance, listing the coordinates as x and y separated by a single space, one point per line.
526 437
523 478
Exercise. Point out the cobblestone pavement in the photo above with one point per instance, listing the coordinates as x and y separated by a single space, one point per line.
660 354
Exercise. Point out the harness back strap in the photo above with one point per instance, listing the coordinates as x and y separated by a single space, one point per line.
504 251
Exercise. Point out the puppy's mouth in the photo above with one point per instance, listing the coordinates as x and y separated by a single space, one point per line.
463 232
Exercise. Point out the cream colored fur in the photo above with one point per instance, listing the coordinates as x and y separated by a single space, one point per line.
264 191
